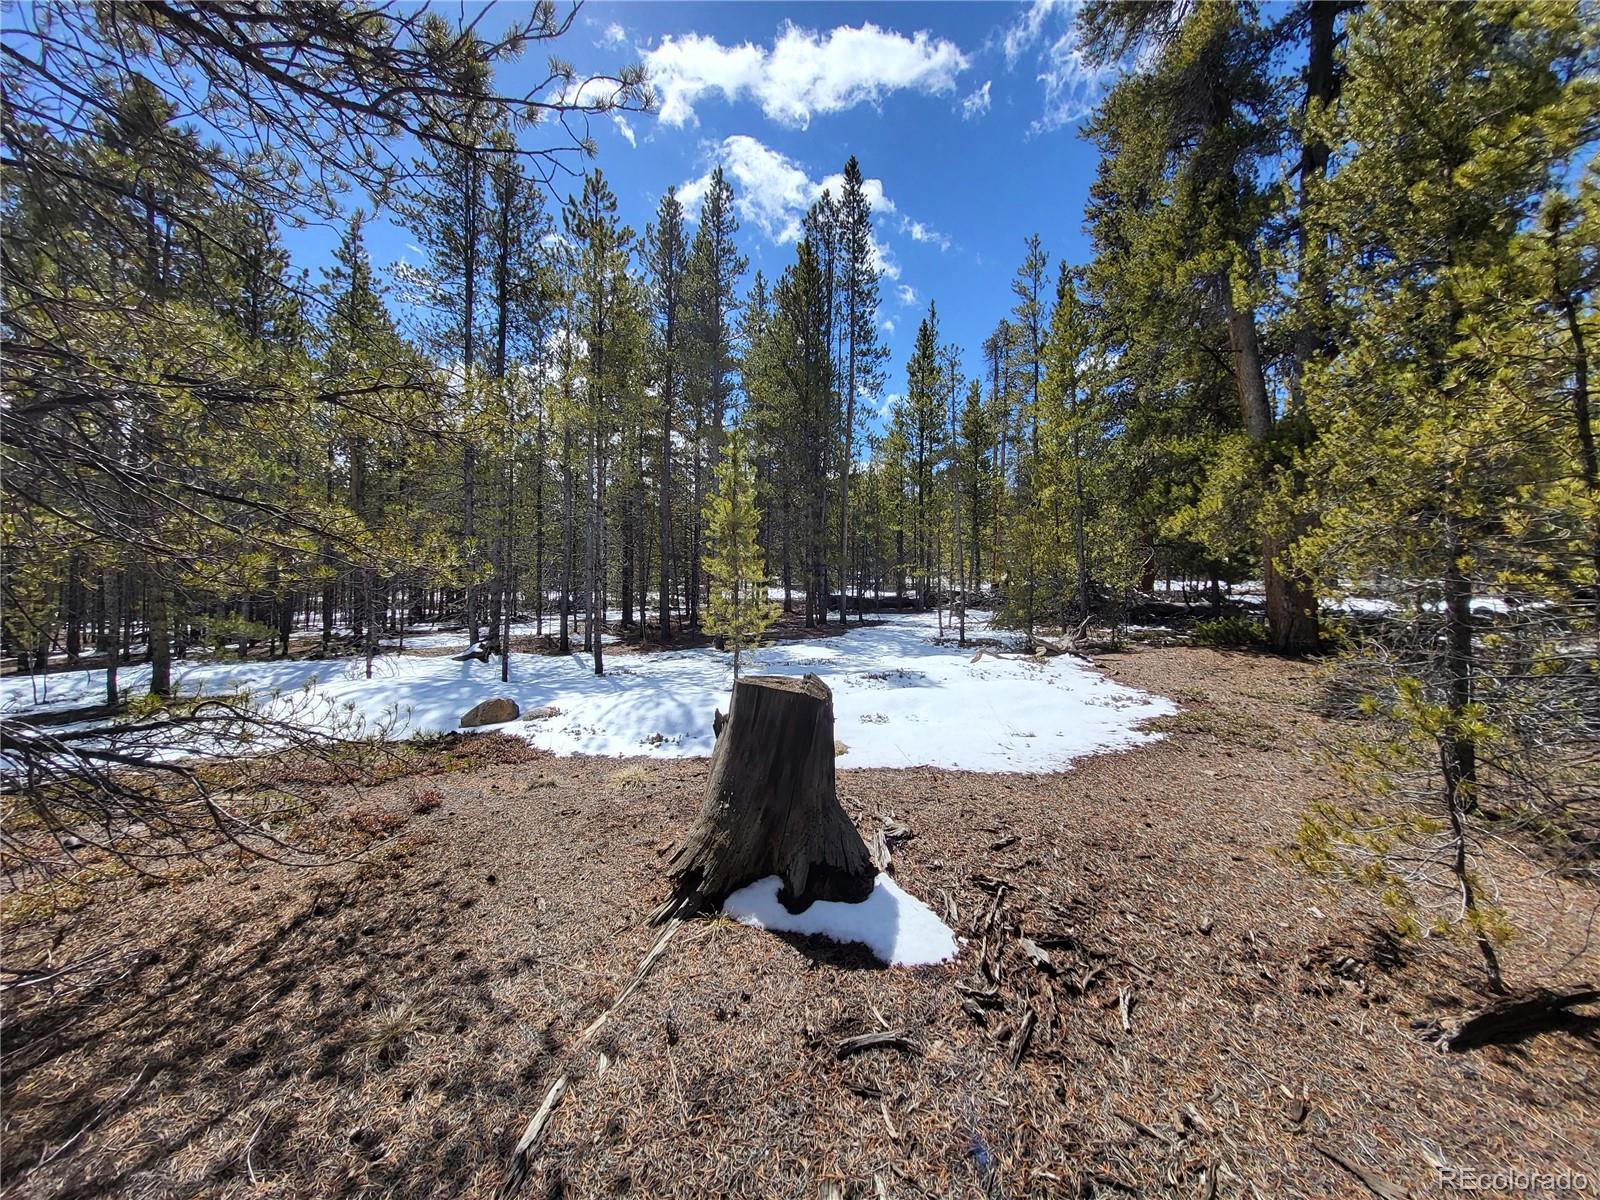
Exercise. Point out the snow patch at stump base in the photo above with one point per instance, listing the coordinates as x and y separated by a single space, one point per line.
898 928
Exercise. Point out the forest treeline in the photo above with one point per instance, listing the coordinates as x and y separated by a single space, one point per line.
1335 335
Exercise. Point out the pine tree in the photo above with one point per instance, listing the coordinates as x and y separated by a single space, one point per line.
1452 460
739 610
922 419
802 356
715 267
666 254
1181 208
609 320
862 369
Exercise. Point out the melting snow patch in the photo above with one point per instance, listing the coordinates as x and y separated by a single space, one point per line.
897 927
901 697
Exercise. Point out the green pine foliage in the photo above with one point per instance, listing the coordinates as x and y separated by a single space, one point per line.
1453 462
739 611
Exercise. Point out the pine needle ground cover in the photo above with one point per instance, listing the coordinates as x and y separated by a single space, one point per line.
1203 1008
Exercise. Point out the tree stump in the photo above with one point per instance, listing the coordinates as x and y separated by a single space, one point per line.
770 807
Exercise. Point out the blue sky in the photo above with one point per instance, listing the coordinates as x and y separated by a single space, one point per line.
965 115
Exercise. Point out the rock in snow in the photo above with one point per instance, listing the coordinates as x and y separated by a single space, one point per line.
491 712
898 928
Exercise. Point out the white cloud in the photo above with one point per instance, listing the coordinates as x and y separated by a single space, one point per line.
977 103
907 294
924 233
613 36
884 261
625 129
887 324
871 188
1072 84
773 192
803 73
1025 31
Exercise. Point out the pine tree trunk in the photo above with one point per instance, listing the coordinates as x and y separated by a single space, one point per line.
469 470
160 634
770 806
566 542
1583 421
692 601
326 556
844 472
664 482
538 528
599 621
1291 606
111 585
72 603
286 610
1461 768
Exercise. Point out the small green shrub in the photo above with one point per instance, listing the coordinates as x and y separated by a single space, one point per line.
1224 632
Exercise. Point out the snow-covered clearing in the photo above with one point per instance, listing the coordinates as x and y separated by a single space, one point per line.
900 699
897 927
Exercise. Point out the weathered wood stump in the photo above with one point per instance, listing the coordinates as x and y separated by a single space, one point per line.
770 807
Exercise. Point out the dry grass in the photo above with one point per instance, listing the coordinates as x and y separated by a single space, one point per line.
387 1027
635 774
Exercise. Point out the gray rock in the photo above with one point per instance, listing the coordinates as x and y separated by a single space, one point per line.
542 713
491 712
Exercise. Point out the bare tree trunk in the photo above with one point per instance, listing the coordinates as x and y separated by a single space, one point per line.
72 603
111 585
327 566
1462 769
600 559
844 472
160 630
626 537
469 466
956 497
692 600
1458 757
566 541
664 482
538 526
788 560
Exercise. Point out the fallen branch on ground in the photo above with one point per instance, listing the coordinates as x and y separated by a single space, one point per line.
889 1039
1374 1183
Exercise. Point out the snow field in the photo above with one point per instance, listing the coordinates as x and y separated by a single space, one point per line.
900 699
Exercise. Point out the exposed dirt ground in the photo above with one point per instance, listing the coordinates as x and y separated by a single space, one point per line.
388 1026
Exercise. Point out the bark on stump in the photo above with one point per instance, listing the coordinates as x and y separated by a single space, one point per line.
770 807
